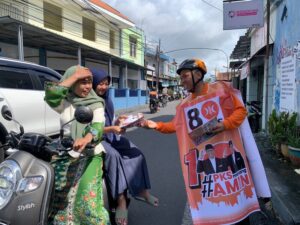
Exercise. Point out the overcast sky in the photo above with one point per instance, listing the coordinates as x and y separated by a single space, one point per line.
183 24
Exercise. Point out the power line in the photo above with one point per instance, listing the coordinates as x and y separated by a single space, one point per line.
124 38
212 5
69 21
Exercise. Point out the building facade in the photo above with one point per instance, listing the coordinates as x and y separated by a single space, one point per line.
59 34
133 46
167 70
259 84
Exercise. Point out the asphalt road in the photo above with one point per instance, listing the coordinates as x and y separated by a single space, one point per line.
162 157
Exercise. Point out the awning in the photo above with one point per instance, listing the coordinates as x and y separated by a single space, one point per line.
258 57
242 47
149 78
236 64
36 37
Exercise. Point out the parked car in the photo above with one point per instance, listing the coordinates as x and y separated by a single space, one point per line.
22 90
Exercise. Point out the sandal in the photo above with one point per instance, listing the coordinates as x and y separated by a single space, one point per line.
121 216
151 200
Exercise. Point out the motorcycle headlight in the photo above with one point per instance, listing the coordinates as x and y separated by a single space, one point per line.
10 173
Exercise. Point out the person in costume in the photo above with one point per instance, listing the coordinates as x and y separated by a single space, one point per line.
78 197
192 72
125 165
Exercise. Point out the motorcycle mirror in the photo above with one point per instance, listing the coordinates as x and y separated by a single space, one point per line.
83 114
6 113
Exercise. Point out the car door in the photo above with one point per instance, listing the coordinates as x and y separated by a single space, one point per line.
25 103
52 118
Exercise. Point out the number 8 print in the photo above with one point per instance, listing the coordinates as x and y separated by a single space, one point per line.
193 115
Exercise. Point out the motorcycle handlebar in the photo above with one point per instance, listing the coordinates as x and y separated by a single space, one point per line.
12 139
69 142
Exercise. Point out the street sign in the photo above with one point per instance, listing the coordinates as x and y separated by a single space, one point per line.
243 14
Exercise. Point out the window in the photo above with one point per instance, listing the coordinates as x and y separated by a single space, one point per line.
115 82
132 44
15 80
112 39
143 75
132 84
88 29
43 77
52 17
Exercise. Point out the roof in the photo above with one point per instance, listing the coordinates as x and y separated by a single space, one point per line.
109 8
242 48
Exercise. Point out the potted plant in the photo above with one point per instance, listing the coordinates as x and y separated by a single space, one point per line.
279 126
294 145
273 127
287 122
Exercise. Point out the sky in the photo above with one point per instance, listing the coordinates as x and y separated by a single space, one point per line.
184 24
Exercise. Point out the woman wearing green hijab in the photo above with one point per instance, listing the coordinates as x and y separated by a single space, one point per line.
78 197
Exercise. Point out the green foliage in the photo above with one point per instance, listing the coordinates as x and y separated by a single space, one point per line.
294 137
280 126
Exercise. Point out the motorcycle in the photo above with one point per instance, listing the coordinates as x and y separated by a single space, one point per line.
153 105
163 99
254 114
171 98
26 176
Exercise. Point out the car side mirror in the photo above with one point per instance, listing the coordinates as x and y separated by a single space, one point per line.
84 114
6 113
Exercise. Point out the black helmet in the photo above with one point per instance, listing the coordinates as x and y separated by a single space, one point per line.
192 64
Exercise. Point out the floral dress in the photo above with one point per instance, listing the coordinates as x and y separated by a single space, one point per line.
78 197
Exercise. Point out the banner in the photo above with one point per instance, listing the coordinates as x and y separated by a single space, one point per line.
215 167
288 88
243 14
245 71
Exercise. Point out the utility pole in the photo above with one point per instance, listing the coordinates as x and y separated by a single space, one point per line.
158 65
267 62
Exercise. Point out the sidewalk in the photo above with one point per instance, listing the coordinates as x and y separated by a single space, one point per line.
284 182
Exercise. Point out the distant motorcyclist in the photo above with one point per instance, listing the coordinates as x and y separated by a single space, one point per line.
153 93
164 96
153 104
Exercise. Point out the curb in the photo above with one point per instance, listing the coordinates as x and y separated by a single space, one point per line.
132 109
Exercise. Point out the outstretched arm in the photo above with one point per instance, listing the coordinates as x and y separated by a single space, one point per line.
163 127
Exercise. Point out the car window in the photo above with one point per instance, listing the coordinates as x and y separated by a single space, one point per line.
15 79
43 77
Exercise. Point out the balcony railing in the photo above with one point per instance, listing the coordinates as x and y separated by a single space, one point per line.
12 11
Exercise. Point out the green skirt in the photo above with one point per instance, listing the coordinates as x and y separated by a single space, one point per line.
78 197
